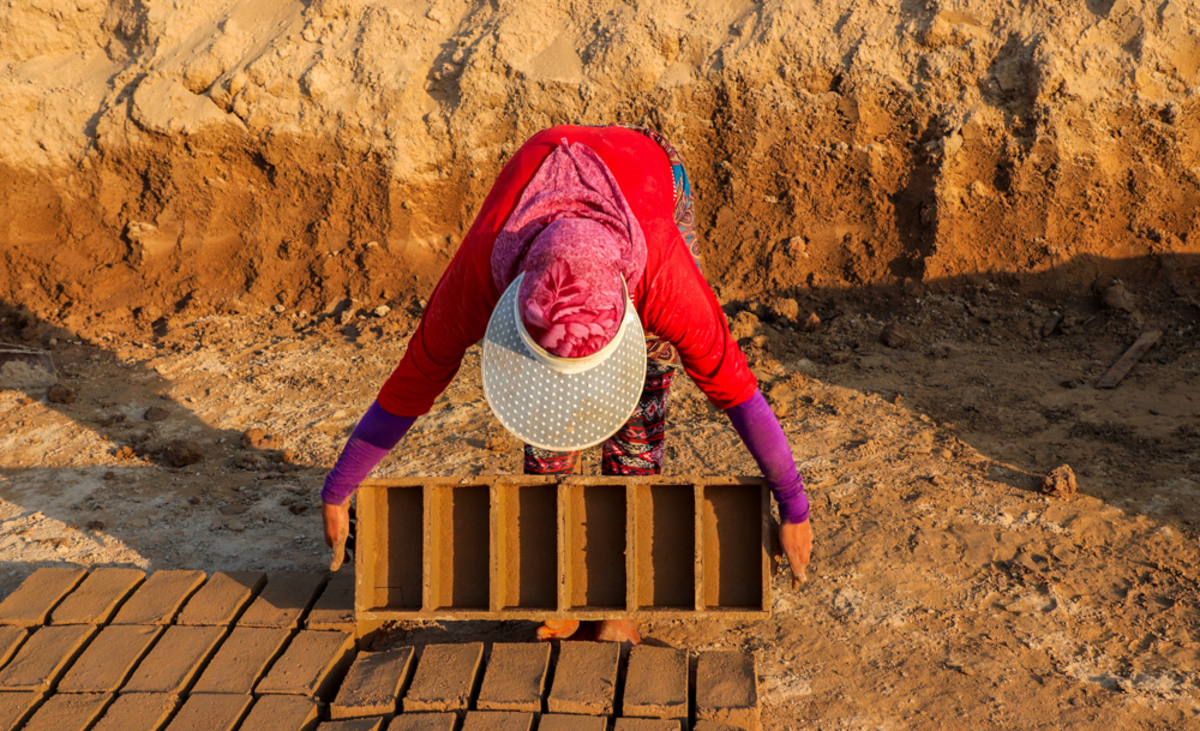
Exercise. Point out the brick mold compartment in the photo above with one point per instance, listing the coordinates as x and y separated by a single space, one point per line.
480 548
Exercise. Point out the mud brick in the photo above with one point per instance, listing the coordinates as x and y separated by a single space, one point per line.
646 724
282 713
572 722
498 721
11 639
585 678
138 712
335 609
16 707
109 659
211 712
515 679
372 687
424 722
310 666
445 677
354 724
283 600
97 597
158 599
714 726
175 660
222 598
44 657
727 689
32 601
242 660
72 712
656 683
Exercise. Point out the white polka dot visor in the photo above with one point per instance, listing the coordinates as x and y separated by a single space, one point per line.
563 404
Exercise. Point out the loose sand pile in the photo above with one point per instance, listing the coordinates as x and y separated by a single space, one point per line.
163 154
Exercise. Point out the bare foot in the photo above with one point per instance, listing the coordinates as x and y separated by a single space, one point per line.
557 629
618 630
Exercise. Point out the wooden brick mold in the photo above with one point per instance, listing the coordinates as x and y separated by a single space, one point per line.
580 547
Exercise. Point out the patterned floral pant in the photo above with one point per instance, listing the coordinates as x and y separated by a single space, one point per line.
636 448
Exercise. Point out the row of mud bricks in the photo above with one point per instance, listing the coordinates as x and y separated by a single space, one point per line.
117 650
581 547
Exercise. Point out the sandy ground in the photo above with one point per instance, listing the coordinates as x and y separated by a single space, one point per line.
946 590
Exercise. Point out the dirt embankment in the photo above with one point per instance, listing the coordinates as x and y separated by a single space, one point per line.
215 155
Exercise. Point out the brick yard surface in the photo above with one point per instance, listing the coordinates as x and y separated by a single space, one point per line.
68 712
31 603
143 676
353 724
211 713
175 660
727 689
646 724
585 680
43 657
516 677
311 664
445 677
11 639
16 707
334 609
656 683
160 597
372 687
571 722
242 660
109 659
282 713
424 722
222 598
138 712
498 721
283 600
95 599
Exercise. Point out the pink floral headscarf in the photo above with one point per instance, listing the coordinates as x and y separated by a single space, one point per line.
574 236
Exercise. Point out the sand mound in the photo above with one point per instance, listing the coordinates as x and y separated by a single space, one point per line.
247 153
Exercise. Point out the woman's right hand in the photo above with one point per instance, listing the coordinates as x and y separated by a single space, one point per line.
797 541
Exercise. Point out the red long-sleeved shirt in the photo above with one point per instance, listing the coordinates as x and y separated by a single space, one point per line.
673 300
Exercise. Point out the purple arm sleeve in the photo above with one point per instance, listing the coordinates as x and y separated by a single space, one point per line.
763 436
371 440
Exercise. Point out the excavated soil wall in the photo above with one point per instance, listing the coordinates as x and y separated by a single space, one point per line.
195 156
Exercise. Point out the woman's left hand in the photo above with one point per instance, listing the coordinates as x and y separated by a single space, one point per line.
796 540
